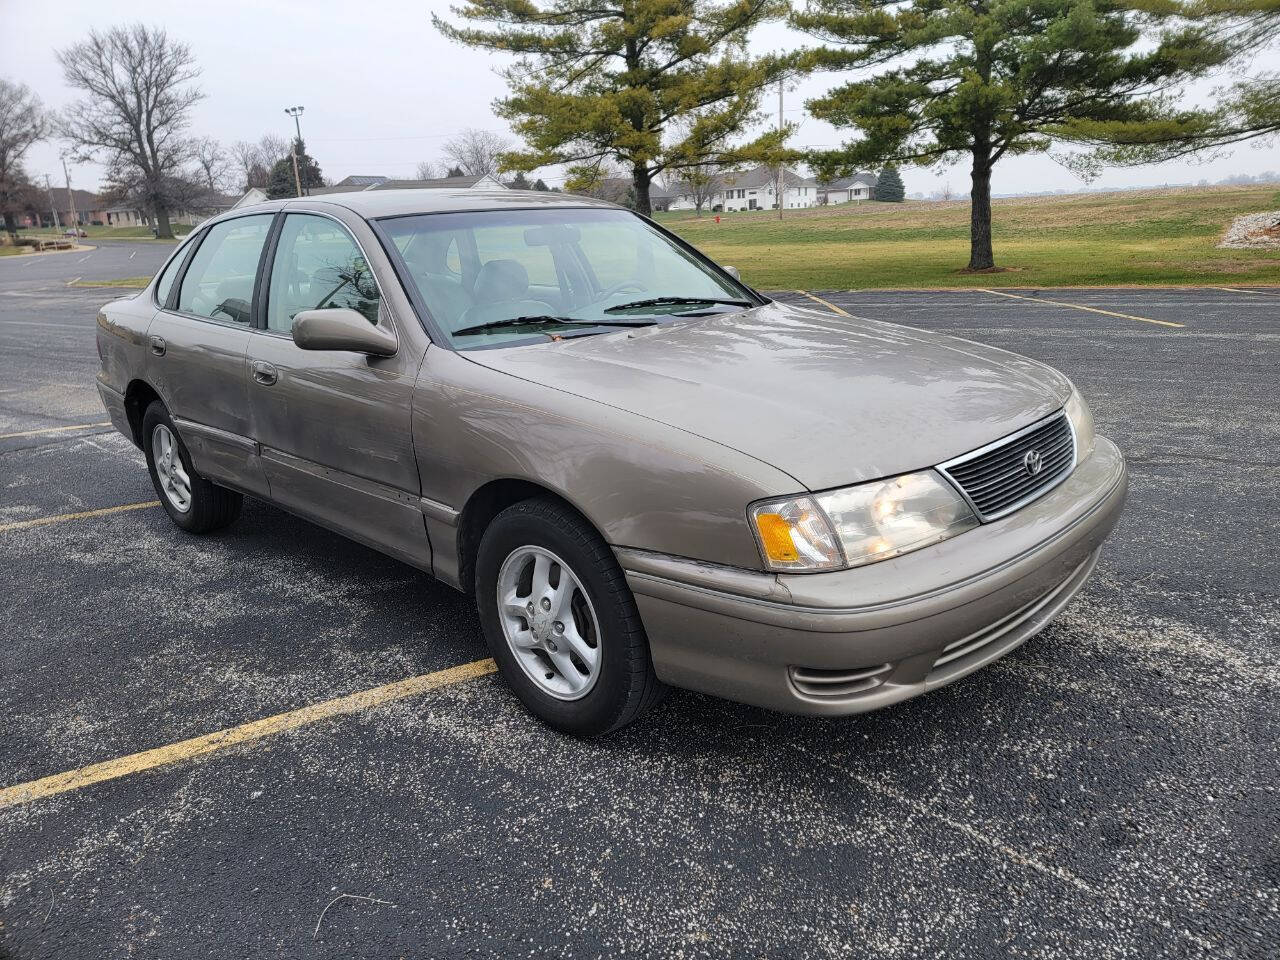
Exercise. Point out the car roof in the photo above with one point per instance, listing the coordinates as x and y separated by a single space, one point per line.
372 204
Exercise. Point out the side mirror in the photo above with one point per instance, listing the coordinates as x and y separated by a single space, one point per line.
342 329
733 272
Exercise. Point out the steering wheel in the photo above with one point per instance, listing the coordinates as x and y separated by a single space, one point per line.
634 285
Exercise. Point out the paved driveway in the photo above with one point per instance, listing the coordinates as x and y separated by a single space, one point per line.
1108 790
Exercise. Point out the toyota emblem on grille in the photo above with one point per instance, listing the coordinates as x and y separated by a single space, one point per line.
1033 463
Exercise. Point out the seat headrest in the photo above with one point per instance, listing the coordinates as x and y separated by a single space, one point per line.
500 280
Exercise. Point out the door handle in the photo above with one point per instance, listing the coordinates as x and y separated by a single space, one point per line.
264 373
158 346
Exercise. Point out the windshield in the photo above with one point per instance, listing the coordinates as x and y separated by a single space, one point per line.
499 277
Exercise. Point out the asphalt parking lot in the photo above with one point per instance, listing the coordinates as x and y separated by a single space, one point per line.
1107 790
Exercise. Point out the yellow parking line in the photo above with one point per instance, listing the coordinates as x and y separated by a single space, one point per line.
36 433
1077 306
235 736
84 514
826 303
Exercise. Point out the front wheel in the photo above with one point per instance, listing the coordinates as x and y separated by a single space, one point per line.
561 621
192 502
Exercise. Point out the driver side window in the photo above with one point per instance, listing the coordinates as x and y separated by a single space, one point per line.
219 282
318 266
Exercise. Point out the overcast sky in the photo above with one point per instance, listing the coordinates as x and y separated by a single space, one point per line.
382 89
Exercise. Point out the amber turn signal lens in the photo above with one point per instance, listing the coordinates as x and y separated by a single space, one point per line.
775 536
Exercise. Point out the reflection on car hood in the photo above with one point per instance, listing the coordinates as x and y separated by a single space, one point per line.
830 400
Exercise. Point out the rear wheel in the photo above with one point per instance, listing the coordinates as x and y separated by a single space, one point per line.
561 621
192 502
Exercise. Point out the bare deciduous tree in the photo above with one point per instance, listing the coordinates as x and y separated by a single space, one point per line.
245 155
212 163
255 160
476 152
273 148
700 182
425 171
137 108
22 123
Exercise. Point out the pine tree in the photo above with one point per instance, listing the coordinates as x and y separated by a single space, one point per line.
281 182
651 84
983 79
889 187
520 182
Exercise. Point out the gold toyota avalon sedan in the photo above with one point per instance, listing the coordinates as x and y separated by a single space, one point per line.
646 472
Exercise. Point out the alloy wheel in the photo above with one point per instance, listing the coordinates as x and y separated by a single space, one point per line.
174 481
549 623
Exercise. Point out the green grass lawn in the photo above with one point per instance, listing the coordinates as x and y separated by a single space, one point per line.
1132 238
135 283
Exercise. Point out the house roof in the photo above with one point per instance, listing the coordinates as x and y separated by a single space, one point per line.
765 176
85 199
858 179
361 180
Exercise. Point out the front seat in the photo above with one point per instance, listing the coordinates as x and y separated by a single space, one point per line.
502 291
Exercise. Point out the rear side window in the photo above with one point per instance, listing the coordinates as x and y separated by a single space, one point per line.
170 274
219 282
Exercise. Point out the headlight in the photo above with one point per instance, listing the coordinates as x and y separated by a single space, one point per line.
862 524
1081 418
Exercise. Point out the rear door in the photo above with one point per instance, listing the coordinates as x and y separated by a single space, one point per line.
335 426
197 344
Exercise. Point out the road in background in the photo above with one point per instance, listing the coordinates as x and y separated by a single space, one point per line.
1107 790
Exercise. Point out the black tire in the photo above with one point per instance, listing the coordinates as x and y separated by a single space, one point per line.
212 507
626 686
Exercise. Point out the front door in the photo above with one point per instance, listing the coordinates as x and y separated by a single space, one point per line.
335 426
196 351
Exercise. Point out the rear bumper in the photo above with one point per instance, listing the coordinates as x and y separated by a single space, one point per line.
857 640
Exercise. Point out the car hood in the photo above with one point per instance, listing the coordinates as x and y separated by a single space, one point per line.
830 400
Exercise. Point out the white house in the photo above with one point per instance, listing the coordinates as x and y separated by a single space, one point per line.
753 190
861 186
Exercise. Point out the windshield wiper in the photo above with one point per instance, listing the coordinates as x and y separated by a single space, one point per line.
663 301
541 319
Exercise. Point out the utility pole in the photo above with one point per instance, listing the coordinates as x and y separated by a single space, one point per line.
781 168
71 199
53 207
296 112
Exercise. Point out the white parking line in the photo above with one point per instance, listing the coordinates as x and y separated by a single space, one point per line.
132 255
84 258
73 280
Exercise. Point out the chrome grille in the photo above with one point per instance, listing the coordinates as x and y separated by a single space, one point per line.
1000 477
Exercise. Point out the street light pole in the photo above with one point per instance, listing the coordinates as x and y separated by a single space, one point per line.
296 112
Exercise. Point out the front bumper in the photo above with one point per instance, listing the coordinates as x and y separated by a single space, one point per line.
860 639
